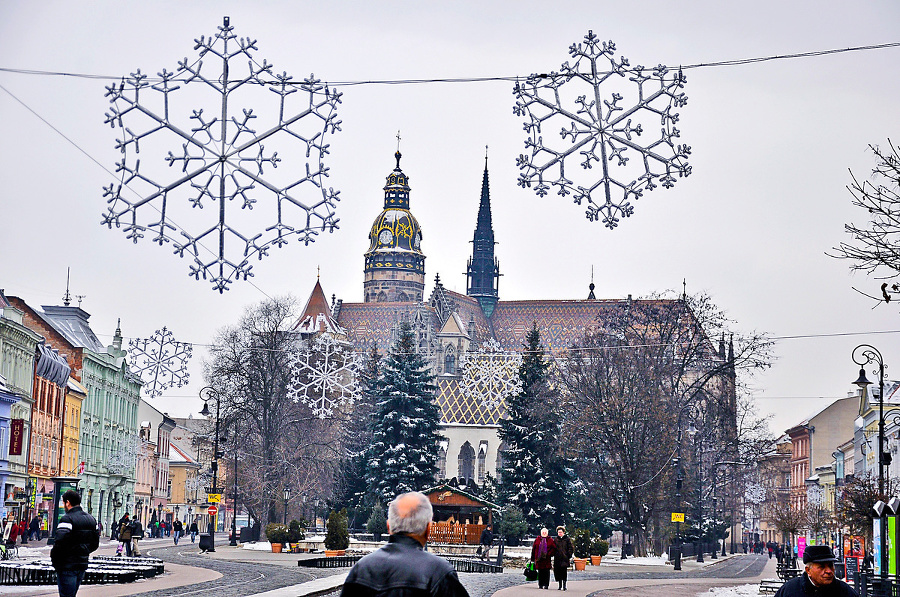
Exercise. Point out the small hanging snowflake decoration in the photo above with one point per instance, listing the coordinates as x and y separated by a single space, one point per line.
491 374
627 131
325 374
160 362
755 493
228 180
125 456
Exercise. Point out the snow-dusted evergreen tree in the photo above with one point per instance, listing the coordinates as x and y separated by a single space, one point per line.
534 477
403 456
351 483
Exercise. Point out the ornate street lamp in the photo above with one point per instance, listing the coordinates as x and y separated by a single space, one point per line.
862 356
286 494
206 394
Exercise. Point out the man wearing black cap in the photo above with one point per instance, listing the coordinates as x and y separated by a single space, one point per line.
818 579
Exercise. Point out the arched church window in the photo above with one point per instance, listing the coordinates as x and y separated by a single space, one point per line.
482 460
382 297
442 463
466 462
501 452
402 298
450 362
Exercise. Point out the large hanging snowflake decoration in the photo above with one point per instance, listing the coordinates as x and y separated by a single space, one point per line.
325 374
491 374
223 156
628 132
160 361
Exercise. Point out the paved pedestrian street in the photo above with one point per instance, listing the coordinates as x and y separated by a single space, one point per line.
234 572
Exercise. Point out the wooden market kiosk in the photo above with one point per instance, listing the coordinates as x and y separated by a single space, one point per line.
459 517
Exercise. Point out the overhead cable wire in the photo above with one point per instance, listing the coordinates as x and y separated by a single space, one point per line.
714 64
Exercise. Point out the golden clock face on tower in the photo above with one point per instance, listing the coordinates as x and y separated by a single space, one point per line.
385 237
417 241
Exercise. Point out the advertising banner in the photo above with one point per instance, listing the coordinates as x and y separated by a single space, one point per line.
892 545
876 544
801 546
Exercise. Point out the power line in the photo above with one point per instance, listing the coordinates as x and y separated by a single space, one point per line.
504 78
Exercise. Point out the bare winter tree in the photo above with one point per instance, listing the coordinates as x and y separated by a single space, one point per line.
876 245
788 519
279 443
854 508
635 383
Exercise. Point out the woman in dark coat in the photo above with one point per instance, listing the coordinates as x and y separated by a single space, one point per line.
542 551
564 551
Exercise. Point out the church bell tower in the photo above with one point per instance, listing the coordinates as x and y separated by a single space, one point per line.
483 270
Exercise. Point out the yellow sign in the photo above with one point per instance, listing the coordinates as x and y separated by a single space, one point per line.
214 498
677 516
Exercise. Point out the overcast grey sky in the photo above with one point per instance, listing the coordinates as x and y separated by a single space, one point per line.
772 144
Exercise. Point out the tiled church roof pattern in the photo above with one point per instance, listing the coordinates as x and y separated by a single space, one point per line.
373 322
469 310
562 323
456 408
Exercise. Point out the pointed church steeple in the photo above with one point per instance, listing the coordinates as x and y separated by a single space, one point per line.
483 270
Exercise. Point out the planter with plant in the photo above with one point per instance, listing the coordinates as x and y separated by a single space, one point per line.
581 542
599 548
278 535
337 534
377 524
297 531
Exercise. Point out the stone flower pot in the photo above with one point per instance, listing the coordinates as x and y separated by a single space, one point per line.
580 563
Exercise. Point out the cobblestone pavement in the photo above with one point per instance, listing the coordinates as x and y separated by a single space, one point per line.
748 566
238 578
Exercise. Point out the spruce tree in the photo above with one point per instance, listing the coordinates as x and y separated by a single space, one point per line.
403 456
351 484
534 477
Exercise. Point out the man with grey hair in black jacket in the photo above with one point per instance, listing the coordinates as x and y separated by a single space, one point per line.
76 537
402 568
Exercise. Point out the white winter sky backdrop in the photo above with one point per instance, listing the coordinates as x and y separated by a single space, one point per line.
772 144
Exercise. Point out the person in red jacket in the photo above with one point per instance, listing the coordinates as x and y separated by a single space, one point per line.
542 551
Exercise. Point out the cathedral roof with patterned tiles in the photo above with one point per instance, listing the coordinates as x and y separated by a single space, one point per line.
561 322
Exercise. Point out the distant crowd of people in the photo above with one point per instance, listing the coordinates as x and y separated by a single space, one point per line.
128 532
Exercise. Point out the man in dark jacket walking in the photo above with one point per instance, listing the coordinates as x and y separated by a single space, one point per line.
486 540
76 537
818 578
401 568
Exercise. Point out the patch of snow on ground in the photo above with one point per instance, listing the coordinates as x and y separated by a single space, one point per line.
258 546
29 552
649 561
735 591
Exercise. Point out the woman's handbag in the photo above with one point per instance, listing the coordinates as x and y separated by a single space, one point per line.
530 572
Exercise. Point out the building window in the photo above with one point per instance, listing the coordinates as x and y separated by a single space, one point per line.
442 463
450 363
500 453
482 458
466 462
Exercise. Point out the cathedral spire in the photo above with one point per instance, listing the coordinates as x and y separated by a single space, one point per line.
483 271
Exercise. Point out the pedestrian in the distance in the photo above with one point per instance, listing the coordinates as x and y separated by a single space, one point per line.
194 530
177 530
125 533
34 529
137 533
486 541
818 578
564 552
76 537
542 551
402 568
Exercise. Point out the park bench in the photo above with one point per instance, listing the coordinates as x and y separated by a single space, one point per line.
770 586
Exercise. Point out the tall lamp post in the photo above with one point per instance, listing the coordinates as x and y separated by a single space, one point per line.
862 356
286 494
206 394
234 496
679 480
